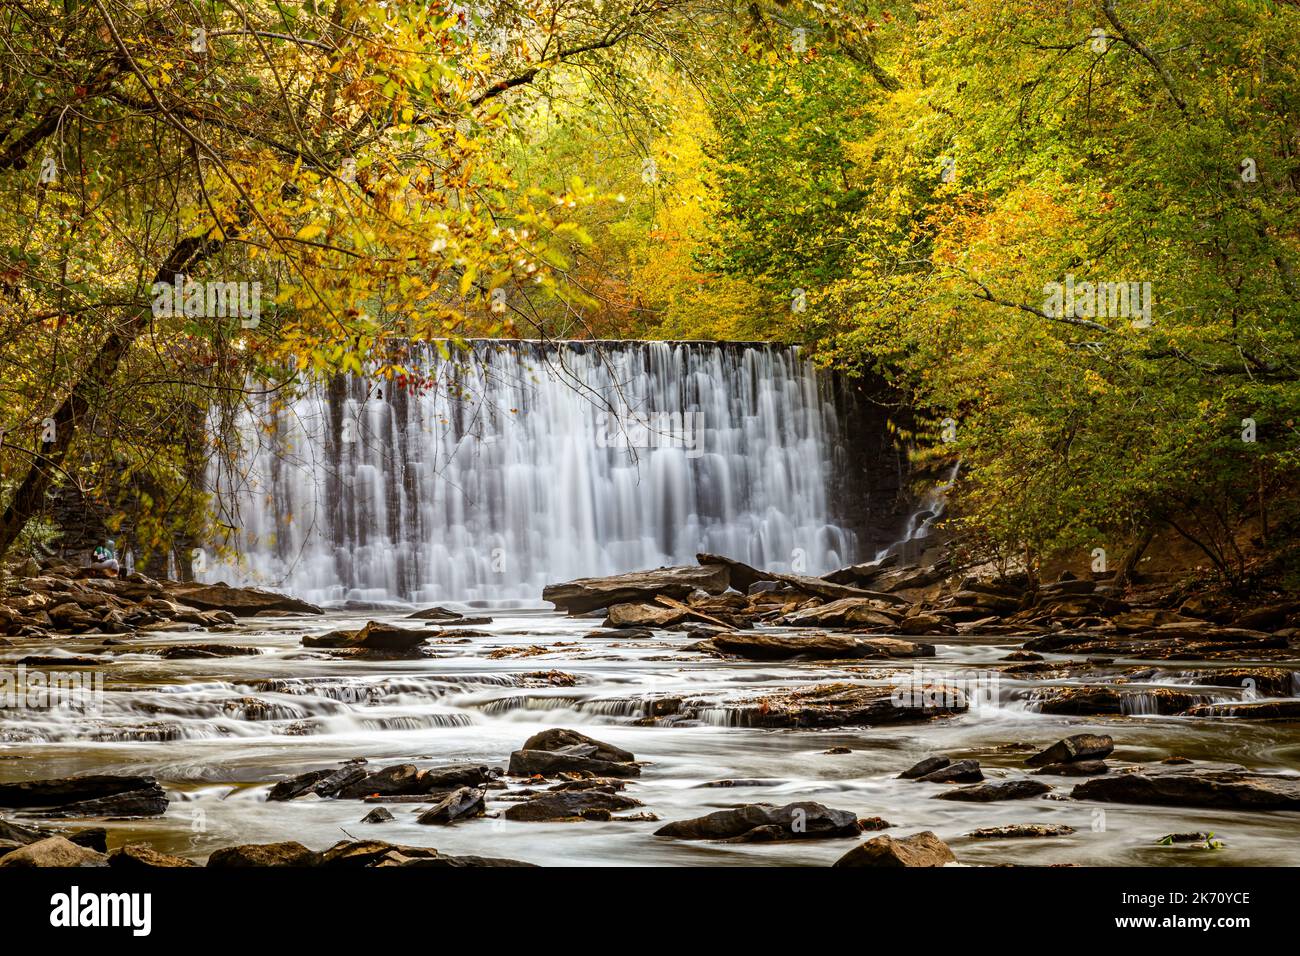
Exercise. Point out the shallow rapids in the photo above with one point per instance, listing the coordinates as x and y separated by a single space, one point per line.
218 732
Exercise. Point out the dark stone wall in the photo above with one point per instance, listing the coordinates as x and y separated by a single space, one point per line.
872 492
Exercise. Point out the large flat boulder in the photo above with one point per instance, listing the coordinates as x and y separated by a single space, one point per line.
763 822
1191 787
642 587
241 602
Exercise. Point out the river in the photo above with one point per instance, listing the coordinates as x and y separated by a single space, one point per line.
218 732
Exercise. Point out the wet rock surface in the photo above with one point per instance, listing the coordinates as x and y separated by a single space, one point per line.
920 849
762 822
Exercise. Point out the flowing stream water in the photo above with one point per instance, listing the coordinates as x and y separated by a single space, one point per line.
217 733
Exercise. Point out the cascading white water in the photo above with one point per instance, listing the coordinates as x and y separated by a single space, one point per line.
523 463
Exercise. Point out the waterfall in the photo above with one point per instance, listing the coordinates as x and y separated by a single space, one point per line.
513 464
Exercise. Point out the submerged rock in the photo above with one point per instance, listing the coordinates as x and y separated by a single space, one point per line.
762 822
1018 830
1080 768
919 849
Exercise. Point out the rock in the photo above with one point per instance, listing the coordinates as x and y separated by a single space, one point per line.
989 792
436 614
1187 787
1268 617
336 780
643 615
846 612
1083 701
241 602
89 795
1199 641
406 780
460 804
560 739
919 849
139 856
378 815
592 594
374 636
1078 747
924 624
838 705
963 771
1250 710
1143 619
862 575
1017 830
1266 681
178 652
771 647
763 822
743 576
288 853
567 805
53 852
985 601
372 854
926 766
58 660
1080 768
837 750
526 763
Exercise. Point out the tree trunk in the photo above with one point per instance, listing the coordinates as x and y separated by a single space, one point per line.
1128 563
29 497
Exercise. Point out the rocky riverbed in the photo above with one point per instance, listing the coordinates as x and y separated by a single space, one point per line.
705 715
